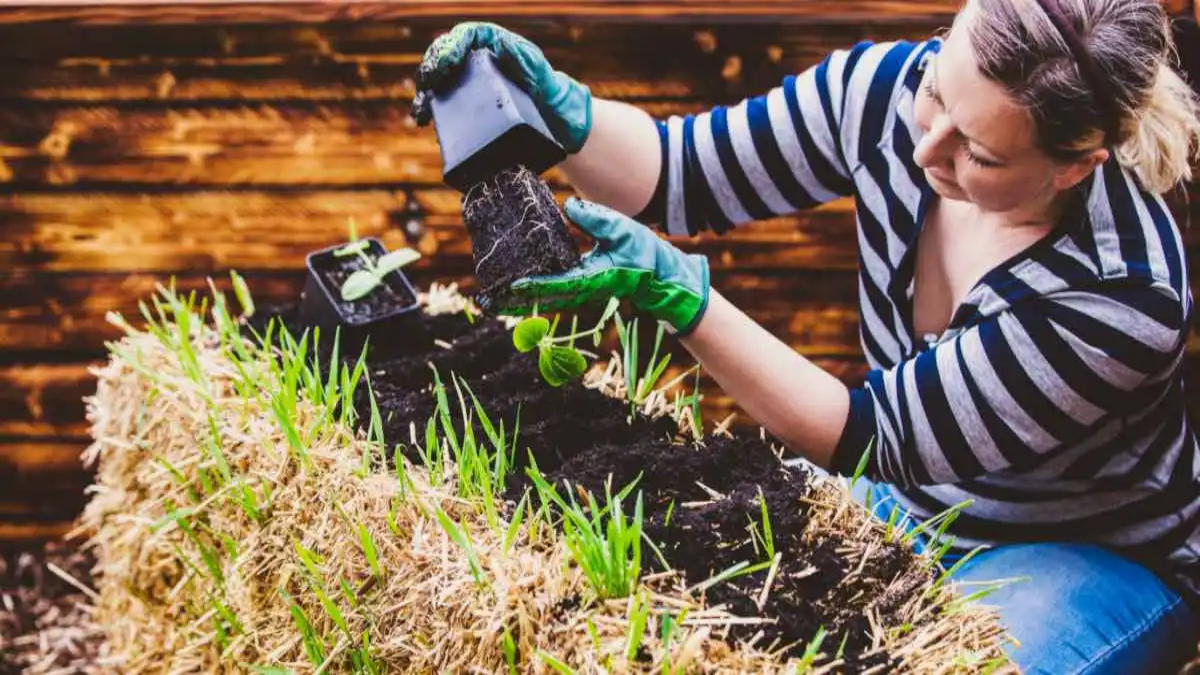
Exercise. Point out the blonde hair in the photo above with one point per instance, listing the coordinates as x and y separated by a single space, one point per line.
1146 112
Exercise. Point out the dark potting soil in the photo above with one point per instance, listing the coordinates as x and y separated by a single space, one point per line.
581 437
383 299
517 230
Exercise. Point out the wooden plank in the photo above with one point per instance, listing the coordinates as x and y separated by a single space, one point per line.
195 232
144 12
65 313
41 481
19 532
695 61
274 231
45 399
261 145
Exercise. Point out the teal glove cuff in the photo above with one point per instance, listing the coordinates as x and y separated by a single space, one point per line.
567 110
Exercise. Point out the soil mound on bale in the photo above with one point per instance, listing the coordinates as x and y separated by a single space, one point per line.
419 578
516 231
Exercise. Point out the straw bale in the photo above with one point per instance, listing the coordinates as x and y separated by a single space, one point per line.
425 611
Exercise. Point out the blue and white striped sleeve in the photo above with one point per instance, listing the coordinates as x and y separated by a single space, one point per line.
1009 391
769 155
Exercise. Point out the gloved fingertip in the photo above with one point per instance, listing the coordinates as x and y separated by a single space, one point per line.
574 206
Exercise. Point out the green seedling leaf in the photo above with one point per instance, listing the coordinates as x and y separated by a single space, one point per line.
173 516
368 546
670 510
351 249
394 260
609 310
314 645
862 463
559 365
550 660
510 651
242 292
517 518
529 333
639 613
811 652
358 285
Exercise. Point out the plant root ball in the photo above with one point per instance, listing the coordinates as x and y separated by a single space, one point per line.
517 230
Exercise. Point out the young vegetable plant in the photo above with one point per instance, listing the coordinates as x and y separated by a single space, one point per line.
558 360
360 284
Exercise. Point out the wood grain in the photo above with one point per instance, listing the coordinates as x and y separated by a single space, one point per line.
203 231
20 531
45 399
87 12
695 61
64 314
41 481
360 145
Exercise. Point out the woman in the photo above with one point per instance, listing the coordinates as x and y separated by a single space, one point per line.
1023 291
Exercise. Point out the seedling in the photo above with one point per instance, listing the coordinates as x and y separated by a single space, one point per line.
639 614
811 651
555 663
558 360
360 283
763 536
609 552
458 534
510 651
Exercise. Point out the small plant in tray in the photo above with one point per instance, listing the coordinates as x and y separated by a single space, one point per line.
358 284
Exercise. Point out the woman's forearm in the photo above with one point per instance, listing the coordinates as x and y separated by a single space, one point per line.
620 162
787 394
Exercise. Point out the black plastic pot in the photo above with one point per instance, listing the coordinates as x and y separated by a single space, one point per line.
321 304
486 124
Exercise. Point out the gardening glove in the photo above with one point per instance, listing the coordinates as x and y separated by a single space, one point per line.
565 105
628 261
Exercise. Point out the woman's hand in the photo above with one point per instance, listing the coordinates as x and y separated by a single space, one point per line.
565 105
629 261
787 394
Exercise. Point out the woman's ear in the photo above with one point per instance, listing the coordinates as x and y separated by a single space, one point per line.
1069 175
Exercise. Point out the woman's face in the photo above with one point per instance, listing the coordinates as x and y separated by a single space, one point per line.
978 144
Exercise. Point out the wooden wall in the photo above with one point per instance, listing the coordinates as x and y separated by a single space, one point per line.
142 140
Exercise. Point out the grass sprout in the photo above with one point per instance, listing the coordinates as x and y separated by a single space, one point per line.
459 536
811 652
605 545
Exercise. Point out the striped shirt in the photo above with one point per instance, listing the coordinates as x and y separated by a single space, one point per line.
1054 400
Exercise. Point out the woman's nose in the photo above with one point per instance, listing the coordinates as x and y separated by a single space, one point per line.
936 146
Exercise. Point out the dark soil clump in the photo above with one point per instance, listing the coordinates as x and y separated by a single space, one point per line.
517 230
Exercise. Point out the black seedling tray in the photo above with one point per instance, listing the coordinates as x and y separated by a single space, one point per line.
487 124
322 303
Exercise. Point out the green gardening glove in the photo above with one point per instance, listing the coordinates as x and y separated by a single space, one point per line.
565 105
629 261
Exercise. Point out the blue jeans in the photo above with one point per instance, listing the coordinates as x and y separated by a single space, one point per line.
1078 608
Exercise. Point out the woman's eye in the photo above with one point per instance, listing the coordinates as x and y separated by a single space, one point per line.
979 161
